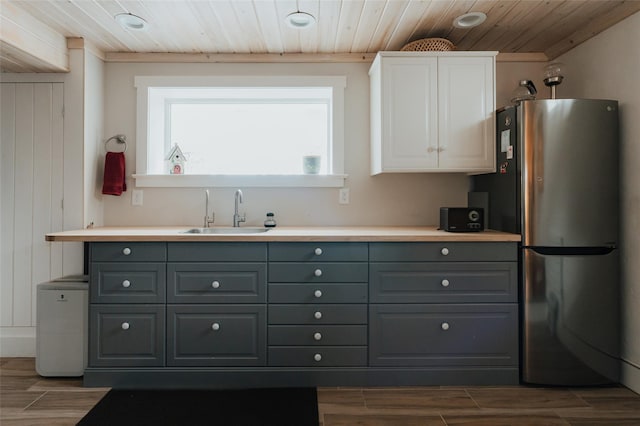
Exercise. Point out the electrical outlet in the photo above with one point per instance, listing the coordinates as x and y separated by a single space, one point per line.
136 197
343 196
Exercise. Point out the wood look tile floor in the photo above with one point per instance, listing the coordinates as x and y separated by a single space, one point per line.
28 399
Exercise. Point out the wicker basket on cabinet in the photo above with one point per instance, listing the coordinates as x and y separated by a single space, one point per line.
429 44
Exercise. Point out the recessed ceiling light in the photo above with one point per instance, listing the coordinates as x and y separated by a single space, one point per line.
129 21
469 20
300 20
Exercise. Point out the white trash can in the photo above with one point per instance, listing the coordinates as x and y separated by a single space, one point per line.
62 326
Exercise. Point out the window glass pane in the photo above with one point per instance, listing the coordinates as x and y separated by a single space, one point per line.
243 136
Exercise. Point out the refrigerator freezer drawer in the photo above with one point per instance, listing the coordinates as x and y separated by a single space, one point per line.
570 319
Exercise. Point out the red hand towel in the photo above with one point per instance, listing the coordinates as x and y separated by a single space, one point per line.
114 175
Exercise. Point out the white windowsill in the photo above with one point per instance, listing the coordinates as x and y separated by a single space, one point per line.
262 181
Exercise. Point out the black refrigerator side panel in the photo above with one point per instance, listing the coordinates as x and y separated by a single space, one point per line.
503 186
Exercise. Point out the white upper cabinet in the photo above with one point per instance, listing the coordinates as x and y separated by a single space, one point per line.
432 112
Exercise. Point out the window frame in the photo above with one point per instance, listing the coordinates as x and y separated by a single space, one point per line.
335 179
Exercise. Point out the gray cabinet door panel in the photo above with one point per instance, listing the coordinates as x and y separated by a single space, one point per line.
216 282
318 272
308 293
441 282
131 336
128 282
439 335
128 252
342 356
216 335
317 335
217 252
318 252
434 252
317 314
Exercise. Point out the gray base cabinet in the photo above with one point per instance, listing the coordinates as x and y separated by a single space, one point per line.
218 314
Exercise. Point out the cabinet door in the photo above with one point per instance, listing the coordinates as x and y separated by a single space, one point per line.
216 335
466 101
409 114
126 336
443 335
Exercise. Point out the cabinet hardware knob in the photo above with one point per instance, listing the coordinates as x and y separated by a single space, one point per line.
430 149
317 336
444 251
317 315
126 283
125 326
444 326
317 272
318 251
317 357
445 283
215 284
126 251
215 326
317 294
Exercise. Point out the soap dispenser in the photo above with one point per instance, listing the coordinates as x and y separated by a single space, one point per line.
270 221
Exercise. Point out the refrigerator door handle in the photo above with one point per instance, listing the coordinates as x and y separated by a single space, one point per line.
573 251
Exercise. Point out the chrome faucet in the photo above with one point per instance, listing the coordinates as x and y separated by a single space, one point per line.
236 216
208 221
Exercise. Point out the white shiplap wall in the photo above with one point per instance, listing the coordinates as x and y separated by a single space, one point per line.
31 182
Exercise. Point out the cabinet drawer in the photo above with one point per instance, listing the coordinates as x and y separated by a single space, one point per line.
326 356
128 252
318 293
127 336
317 314
437 282
443 335
216 335
317 335
318 252
318 272
128 282
216 283
443 252
217 252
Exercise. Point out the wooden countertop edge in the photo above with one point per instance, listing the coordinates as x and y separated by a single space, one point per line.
292 234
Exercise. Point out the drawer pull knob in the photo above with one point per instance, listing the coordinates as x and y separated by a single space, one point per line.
215 326
444 251
126 251
317 336
317 357
317 294
445 283
317 272
126 283
318 251
317 315
125 326
444 326
215 284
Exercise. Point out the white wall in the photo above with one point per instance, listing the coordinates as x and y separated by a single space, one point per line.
42 178
607 67
397 199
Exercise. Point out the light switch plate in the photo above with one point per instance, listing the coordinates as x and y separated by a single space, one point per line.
136 197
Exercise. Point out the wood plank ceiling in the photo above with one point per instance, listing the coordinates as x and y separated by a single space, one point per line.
343 26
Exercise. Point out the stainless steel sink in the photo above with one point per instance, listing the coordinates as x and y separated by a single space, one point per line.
220 230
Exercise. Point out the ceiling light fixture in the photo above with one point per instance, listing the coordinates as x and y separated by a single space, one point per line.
129 21
300 20
469 20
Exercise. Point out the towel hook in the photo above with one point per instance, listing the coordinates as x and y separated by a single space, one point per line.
121 139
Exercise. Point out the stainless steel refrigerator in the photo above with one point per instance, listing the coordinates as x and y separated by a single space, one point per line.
557 185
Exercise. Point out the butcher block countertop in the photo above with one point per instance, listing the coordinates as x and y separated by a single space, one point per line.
303 233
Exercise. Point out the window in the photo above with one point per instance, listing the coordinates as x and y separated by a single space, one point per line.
249 131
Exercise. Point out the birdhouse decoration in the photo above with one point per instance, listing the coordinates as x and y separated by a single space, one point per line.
175 161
